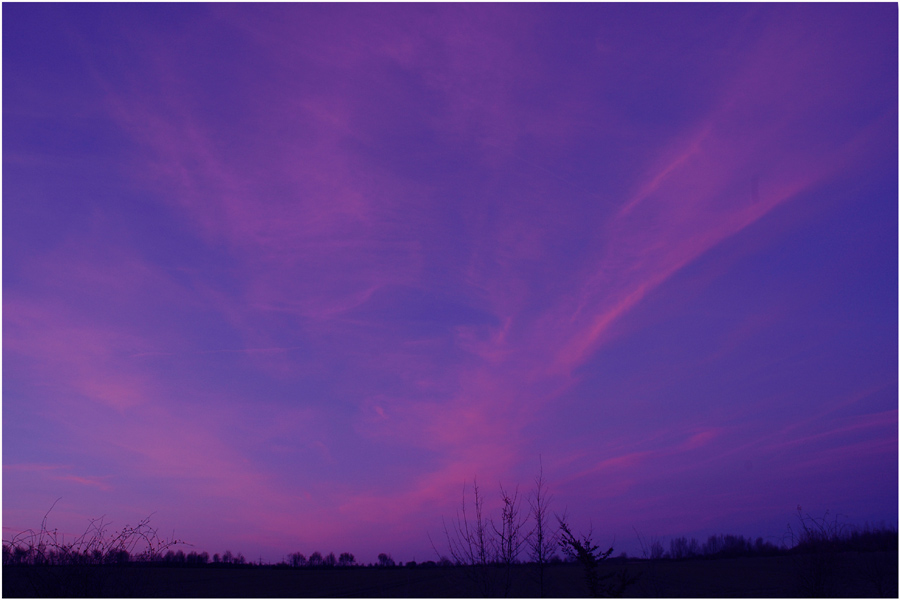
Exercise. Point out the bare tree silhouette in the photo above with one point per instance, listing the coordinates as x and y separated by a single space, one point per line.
385 560
487 549
297 560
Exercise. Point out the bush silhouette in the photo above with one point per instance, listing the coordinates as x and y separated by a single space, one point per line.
87 566
589 556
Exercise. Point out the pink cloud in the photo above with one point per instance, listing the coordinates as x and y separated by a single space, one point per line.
688 210
73 355
699 440
49 473
854 427
98 482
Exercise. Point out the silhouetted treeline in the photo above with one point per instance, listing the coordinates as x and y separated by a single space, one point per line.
717 546
480 542
316 560
42 555
867 539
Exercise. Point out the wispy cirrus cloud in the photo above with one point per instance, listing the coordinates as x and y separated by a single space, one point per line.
60 473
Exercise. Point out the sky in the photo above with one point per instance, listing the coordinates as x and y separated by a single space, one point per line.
288 276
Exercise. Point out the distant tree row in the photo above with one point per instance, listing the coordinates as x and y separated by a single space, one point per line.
474 539
814 535
716 546
45 554
316 560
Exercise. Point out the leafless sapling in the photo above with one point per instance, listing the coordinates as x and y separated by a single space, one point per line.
542 540
510 536
470 543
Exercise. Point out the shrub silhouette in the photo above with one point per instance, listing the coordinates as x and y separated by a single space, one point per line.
589 555
97 545
54 567
817 543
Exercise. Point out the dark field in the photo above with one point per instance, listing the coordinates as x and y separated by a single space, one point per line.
870 574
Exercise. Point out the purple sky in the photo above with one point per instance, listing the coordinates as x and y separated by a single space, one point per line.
289 275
